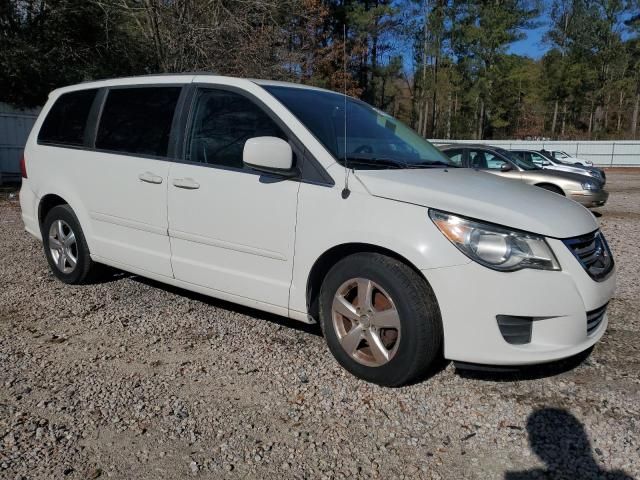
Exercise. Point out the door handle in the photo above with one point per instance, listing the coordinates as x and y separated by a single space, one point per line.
149 177
187 183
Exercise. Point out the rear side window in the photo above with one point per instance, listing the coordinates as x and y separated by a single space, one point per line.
137 120
66 121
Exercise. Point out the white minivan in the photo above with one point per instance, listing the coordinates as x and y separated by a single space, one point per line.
261 193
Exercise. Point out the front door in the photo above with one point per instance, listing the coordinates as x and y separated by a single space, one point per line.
232 229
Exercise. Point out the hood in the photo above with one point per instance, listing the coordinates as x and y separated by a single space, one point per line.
578 178
483 196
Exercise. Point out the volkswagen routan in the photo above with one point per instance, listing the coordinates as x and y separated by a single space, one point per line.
314 206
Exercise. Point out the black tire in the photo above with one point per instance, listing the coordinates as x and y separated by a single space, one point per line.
85 268
551 188
421 325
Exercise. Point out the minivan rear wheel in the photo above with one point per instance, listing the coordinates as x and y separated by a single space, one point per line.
380 319
65 246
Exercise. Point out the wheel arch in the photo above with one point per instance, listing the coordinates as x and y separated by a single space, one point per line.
555 188
46 203
51 200
329 258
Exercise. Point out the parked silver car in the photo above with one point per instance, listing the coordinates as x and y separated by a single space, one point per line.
547 162
586 191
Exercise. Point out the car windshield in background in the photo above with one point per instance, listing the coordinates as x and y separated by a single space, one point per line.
518 160
374 140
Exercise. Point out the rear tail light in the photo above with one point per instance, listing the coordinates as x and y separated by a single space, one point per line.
23 167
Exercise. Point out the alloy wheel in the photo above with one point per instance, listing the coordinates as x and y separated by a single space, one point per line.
366 321
63 246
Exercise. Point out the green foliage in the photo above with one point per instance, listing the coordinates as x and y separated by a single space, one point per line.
441 65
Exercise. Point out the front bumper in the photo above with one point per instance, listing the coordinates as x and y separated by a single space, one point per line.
590 199
471 296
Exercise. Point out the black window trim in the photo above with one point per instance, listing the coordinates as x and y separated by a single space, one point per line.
95 114
311 171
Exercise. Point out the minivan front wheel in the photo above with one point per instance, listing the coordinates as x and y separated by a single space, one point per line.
380 319
65 246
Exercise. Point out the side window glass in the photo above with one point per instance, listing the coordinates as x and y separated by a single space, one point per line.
222 122
138 120
537 159
477 159
494 162
455 156
66 121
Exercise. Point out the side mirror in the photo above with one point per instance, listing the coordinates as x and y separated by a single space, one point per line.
270 155
546 163
505 167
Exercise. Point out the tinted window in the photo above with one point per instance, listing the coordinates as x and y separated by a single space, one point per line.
539 160
67 119
455 156
483 159
223 121
138 120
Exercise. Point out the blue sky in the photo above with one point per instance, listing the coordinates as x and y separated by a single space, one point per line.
533 45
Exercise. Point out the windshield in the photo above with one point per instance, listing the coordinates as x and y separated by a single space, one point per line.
374 140
517 159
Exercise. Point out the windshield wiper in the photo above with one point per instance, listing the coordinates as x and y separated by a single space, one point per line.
436 163
374 162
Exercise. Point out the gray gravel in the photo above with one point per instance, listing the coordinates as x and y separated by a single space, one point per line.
130 379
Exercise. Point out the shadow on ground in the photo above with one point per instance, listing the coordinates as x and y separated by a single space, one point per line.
562 444
526 372
313 329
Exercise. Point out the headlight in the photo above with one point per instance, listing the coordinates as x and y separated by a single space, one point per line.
495 247
590 186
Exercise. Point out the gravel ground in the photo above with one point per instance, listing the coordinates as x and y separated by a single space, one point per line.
132 379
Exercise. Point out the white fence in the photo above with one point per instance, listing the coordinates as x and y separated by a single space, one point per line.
623 153
15 126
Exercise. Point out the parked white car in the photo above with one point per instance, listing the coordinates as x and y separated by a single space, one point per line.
248 191
568 159
550 163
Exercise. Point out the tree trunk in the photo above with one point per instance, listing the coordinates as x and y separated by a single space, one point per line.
564 118
435 98
590 120
634 117
555 117
481 121
619 124
426 118
606 111
449 101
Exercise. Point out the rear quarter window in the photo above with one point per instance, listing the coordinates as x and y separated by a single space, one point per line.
66 121
138 120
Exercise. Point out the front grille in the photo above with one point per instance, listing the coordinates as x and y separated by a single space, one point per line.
593 253
594 318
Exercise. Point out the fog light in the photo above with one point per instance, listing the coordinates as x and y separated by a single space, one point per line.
515 330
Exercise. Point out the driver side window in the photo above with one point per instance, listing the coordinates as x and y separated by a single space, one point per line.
539 160
222 122
485 160
494 162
